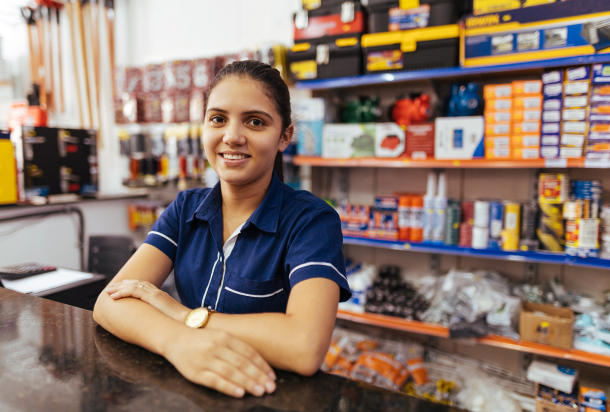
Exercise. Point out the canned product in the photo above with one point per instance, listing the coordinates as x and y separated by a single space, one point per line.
512 216
553 187
481 213
480 237
496 219
510 240
452 222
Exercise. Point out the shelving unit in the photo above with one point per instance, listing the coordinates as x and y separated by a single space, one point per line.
517 256
447 73
452 164
497 341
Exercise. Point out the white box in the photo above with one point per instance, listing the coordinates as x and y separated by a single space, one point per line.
459 137
343 141
389 140
553 375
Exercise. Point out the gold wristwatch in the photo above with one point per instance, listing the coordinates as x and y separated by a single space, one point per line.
198 318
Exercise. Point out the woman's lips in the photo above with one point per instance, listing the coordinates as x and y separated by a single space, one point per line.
234 162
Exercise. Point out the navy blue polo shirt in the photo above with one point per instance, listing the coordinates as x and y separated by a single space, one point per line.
292 236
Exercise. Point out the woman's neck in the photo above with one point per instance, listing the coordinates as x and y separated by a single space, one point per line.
239 202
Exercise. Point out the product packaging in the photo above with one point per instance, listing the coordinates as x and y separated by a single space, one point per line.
459 137
548 325
550 374
420 141
389 140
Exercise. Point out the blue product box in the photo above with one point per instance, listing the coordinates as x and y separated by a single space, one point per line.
549 152
548 31
601 74
387 202
555 76
578 73
551 128
549 140
552 104
309 114
550 91
551 116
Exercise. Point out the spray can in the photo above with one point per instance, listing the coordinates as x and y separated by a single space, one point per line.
452 222
440 205
428 223
416 232
404 217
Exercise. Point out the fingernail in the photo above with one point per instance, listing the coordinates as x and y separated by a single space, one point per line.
259 390
239 392
270 386
114 294
272 375
112 284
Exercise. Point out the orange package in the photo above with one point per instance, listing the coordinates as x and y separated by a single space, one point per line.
497 129
527 115
418 370
497 117
526 153
498 104
527 87
599 127
493 142
527 102
526 127
381 369
497 91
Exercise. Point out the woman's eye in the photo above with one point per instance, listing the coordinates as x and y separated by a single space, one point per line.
257 122
217 119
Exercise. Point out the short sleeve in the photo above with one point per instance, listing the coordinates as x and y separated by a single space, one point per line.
315 250
165 231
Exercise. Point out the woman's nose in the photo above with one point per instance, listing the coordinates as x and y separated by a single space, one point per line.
234 136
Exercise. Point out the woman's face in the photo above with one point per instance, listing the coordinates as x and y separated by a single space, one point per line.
241 133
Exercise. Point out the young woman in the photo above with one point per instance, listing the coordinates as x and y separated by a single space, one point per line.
258 266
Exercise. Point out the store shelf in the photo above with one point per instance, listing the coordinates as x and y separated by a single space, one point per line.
531 257
452 164
496 341
449 72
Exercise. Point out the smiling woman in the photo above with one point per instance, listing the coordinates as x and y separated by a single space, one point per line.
258 266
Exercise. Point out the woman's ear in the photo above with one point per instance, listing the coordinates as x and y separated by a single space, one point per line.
286 138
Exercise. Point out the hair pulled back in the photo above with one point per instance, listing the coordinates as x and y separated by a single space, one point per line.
272 85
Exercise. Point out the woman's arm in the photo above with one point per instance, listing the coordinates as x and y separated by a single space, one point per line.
205 356
296 341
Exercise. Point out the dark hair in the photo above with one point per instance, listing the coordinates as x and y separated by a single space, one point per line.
273 86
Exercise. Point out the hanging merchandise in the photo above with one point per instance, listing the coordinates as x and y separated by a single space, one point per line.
327 41
414 109
176 91
128 95
464 100
417 49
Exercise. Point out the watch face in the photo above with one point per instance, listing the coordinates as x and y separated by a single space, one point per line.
196 318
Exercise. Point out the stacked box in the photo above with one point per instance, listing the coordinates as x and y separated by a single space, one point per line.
526 115
574 113
498 117
598 140
552 92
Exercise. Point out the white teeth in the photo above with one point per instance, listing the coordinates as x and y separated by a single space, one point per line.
234 157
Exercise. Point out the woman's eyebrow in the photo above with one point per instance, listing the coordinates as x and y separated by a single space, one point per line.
259 112
216 109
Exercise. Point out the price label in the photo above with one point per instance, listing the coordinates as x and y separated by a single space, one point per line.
555 162
597 163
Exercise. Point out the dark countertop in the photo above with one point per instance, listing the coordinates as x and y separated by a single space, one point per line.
54 357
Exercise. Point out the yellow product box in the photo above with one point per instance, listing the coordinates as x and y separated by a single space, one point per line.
500 116
492 6
527 102
525 140
526 127
499 142
526 87
497 91
497 153
526 153
497 129
527 115
493 105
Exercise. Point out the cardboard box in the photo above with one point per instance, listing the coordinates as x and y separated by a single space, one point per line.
552 375
525 153
497 91
500 116
459 137
543 405
527 102
348 140
492 6
526 127
389 140
420 141
493 105
527 87
526 115
497 129
554 328
309 114
566 29
526 140
492 142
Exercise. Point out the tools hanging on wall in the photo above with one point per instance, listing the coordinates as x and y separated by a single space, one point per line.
69 79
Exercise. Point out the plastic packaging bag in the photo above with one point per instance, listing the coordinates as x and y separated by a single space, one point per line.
481 394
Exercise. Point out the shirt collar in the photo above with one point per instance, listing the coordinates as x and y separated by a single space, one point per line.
265 217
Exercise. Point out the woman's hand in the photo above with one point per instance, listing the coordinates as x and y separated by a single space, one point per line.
149 293
222 362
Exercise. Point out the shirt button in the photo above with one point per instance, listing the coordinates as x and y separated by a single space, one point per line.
221 259
209 307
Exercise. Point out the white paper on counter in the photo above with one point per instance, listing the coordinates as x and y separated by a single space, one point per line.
46 281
